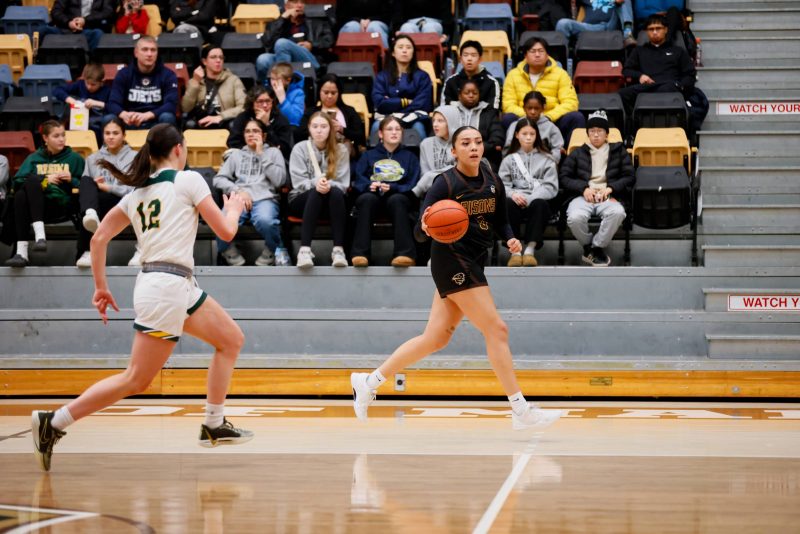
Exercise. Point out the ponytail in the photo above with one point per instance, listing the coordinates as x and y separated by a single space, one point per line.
161 139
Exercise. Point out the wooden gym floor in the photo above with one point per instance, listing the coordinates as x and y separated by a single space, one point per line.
415 467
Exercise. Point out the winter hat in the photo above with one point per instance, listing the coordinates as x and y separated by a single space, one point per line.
598 119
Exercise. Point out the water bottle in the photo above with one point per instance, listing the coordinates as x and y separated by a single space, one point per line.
698 58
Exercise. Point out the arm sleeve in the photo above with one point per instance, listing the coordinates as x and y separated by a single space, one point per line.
196 187
298 170
410 178
380 92
567 99
632 68
293 106
117 98
205 16
510 98
58 14
63 91
363 173
548 180
354 130
501 226
225 178
325 38
191 97
342 180
568 175
505 173
422 100
438 191
688 72
239 97
170 91
274 167
271 33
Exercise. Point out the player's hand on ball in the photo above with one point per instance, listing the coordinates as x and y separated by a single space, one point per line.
101 300
514 245
422 223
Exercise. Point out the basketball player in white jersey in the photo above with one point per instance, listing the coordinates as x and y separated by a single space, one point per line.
163 209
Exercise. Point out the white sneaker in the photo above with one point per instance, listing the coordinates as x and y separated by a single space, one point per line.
91 220
282 258
305 258
232 256
266 258
535 418
363 395
338 259
136 259
85 260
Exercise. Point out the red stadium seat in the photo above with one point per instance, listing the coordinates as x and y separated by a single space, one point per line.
360 46
16 146
429 48
598 77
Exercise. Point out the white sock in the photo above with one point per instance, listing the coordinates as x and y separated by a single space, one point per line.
375 379
38 230
530 248
62 419
22 249
518 403
215 414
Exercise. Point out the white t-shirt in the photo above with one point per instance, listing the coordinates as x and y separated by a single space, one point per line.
164 215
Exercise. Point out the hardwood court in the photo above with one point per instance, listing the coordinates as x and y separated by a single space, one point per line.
415 467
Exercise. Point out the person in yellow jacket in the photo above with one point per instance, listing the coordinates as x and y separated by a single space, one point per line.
539 72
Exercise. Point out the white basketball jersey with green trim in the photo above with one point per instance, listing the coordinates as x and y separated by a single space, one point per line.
164 216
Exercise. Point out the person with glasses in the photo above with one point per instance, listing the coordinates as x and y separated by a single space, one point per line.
215 95
260 105
539 72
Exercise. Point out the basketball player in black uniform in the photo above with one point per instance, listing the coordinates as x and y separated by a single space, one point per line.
461 285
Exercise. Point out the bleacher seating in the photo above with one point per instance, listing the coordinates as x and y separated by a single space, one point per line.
253 18
7 86
205 147
154 22
180 48
496 46
660 110
600 46
359 102
25 113
136 138
356 77
82 142
663 147
181 71
598 77
16 146
71 50
484 17
16 52
309 81
25 19
40 80
579 137
241 47
116 47
428 47
427 67
245 71
360 46
611 102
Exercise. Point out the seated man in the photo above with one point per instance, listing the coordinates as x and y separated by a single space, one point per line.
470 54
657 66
91 18
371 16
600 174
144 93
601 15
424 16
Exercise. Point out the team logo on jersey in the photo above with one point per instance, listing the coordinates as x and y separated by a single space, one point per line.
459 278
483 224
145 81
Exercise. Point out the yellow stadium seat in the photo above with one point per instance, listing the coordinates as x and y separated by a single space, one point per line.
47 3
16 52
359 102
206 147
579 138
252 18
660 147
82 142
136 138
495 44
427 66
154 20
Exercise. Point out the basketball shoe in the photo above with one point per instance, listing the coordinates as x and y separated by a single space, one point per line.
535 417
363 395
225 434
44 436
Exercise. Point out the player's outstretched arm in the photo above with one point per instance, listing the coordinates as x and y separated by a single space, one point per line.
112 224
223 222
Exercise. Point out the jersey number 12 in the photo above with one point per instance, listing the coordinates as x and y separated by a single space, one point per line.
149 218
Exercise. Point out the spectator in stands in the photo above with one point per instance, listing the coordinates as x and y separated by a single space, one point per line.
294 38
472 111
288 87
320 172
402 89
658 66
346 120
600 174
424 16
534 104
601 15
371 16
43 190
91 91
384 178
193 16
144 93
99 190
436 152
472 69
131 17
260 104
214 95
256 172
530 177
91 18
539 72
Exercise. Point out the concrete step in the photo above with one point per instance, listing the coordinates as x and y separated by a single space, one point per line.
758 77
751 219
744 35
748 199
753 17
753 256
769 147
751 93
717 299
749 47
753 346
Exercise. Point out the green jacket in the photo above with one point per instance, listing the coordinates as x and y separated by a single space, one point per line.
41 163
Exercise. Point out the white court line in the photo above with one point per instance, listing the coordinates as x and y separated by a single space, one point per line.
68 515
499 500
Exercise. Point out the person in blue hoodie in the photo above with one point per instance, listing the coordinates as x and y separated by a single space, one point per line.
144 93
385 176
91 91
288 87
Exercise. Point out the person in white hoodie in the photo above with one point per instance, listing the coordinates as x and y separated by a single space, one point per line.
533 104
531 179
436 152
256 172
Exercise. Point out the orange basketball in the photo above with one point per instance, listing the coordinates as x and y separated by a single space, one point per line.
447 221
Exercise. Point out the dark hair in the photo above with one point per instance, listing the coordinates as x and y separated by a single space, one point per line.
255 92
530 43
467 82
207 50
330 78
386 120
391 62
115 120
461 130
538 143
260 124
655 18
471 44
161 139
48 126
534 95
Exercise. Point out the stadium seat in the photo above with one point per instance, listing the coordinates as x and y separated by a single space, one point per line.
309 81
245 71
557 46
7 86
82 142
664 147
154 23
180 48
115 47
356 77
205 147
662 197
429 48
600 46
136 138
660 110
16 52
25 19
25 113
359 102
241 47
46 3
610 102
579 137
16 146
71 50
360 46
427 67
495 44
250 18
529 22
598 77
110 72
182 73
40 80
487 17
411 140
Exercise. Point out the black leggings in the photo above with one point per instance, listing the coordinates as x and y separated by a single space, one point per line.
397 207
30 205
536 214
311 206
91 197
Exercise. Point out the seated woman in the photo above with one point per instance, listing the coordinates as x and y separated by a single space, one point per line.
533 104
256 172
260 104
436 152
385 176
43 189
530 177
402 89
99 190
320 172
214 95
472 111
346 120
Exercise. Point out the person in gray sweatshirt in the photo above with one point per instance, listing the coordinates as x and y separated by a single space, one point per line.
533 103
99 191
473 111
531 180
256 172
436 152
